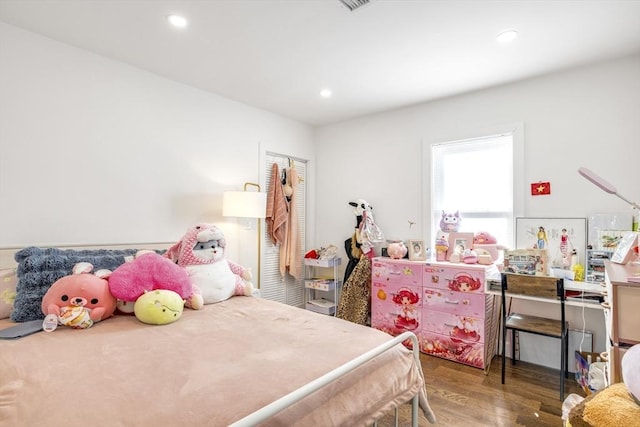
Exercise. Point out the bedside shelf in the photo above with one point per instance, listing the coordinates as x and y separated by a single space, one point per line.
322 293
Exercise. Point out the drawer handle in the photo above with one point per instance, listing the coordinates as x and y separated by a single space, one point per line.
605 305
397 273
450 325
451 302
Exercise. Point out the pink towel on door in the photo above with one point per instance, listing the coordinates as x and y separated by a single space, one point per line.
277 212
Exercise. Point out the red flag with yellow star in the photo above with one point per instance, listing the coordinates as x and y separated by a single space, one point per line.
540 188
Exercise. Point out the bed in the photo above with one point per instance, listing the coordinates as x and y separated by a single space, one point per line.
244 361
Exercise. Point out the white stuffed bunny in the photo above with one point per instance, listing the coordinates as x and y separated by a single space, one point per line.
201 253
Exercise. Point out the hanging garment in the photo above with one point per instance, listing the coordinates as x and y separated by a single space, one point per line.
352 248
276 214
291 249
355 305
370 233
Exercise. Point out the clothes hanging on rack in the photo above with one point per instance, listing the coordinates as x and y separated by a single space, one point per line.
354 304
277 209
291 249
352 248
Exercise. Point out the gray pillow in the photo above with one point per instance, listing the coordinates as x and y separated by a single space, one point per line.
39 268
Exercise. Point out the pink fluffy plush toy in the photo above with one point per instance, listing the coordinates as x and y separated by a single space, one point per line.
201 252
150 271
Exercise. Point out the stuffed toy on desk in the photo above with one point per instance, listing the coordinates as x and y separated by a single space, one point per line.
201 251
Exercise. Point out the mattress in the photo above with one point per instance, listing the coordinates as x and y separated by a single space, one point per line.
210 368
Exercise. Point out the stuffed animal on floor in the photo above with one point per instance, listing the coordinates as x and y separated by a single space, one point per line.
79 299
615 405
201 251
159 307
149 271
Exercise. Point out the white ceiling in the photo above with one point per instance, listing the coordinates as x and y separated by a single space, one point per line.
278 54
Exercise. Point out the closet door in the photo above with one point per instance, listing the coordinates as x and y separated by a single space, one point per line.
287 289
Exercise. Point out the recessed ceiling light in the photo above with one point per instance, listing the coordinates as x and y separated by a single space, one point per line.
326 93
507 36
177 21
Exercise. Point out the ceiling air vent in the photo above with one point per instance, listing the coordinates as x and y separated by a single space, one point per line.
354 4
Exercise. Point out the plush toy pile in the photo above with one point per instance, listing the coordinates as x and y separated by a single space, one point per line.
148 272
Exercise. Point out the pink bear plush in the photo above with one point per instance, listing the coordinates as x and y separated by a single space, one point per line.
79 299
201 253
150 271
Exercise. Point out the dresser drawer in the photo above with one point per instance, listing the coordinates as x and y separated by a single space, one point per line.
460 303
455 277
395 308
397 271
396 321
625 314
466 328
469 353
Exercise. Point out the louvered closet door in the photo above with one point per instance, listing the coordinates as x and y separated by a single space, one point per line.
285 289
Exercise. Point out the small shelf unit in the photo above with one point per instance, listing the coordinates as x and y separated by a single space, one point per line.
595 265
322 285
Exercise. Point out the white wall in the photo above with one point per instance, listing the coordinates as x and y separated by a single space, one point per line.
96 151
584 117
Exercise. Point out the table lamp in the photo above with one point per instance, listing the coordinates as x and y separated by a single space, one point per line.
246 204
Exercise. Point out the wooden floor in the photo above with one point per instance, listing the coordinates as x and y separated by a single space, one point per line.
464 396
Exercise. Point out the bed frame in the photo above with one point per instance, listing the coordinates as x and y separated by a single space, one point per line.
273 408
7 261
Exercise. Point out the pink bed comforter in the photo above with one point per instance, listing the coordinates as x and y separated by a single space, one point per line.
210 368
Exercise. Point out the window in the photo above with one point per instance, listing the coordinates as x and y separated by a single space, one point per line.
481 178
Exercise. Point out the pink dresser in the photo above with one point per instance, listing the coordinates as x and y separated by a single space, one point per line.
444 304
396 295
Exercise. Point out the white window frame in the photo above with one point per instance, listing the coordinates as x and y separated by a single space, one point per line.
516 130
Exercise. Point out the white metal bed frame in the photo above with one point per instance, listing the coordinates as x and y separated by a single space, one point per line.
276 406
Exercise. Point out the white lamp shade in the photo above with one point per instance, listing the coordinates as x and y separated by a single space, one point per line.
244 204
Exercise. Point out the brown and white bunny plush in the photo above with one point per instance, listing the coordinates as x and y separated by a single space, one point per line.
201 252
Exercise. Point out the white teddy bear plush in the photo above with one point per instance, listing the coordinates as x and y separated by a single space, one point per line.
201 252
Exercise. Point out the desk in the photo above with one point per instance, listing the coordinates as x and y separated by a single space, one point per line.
493 286
582 316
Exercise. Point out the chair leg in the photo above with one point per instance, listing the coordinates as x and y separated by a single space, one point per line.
513 346
504 355
566 356
563 364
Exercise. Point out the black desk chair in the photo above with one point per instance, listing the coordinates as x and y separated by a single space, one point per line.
543 287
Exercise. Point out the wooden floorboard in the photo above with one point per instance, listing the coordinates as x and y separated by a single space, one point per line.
464 396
